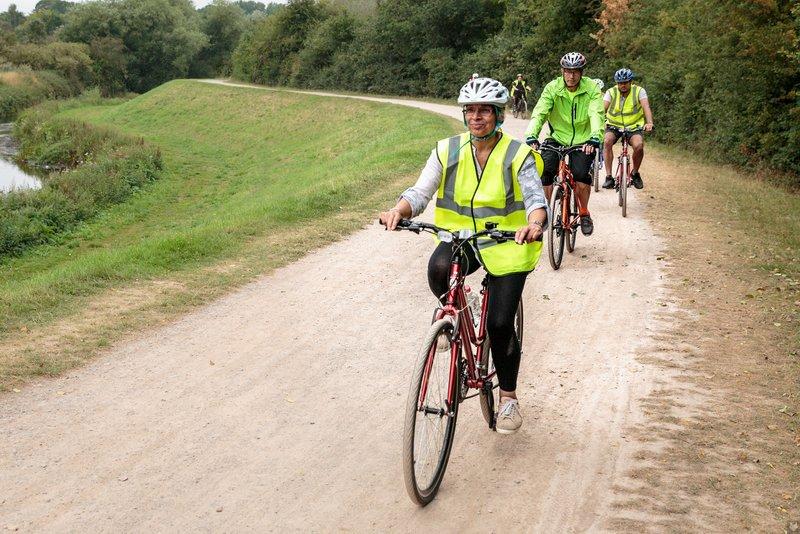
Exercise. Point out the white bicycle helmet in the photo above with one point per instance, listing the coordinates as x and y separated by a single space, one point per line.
573 60
475 75
599 83
483 91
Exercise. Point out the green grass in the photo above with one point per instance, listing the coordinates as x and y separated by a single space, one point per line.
242 166
768 214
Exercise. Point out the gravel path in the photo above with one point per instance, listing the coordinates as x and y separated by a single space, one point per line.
280 406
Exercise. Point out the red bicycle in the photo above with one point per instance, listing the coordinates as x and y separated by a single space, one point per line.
623 175
455 358
565 206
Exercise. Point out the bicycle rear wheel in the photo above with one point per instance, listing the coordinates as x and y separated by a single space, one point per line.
430 422
487 396
556 231
573 212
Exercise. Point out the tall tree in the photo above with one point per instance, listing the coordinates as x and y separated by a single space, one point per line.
162 37
222 23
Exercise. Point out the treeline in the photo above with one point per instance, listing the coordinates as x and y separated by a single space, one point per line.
119 46
723 75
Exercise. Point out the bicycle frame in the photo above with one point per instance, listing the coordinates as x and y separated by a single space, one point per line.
456 307
623 157
566 181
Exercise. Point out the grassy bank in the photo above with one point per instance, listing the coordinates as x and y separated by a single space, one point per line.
252 180
100 167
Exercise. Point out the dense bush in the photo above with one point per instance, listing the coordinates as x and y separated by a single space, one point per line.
102 168
71 60
23 87
730 87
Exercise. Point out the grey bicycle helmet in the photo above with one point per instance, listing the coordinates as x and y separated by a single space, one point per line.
599 83
483 91
573 60
623 75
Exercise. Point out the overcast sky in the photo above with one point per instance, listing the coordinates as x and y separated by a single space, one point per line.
26 6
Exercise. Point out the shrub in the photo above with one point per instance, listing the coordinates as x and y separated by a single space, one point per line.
102 168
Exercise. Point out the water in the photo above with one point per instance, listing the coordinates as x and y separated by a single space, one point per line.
12 176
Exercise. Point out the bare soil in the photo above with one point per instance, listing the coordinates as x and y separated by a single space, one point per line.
280 405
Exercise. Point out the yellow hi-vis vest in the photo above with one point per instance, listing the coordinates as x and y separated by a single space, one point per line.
464 202
628 115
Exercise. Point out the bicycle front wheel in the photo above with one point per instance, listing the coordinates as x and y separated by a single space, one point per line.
431 415
624 192
596 173
573 212
557 230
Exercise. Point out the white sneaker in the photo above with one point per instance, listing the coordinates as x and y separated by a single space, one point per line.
508 417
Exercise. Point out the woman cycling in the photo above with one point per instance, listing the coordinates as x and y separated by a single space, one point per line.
495 179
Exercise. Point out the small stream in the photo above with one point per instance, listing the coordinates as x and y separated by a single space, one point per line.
14 177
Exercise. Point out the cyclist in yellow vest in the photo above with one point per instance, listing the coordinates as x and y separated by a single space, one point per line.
480 176
627 113
519 90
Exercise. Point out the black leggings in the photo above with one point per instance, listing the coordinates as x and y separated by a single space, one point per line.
504 294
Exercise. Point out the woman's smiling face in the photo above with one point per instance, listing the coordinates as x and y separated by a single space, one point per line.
480 118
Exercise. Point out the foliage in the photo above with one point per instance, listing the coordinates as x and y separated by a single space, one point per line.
110 65
728 87
223 24
71 60
23 87
102 168
161 37
12 16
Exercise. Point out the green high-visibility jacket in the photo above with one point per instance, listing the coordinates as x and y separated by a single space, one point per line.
573 120
628 115
465 202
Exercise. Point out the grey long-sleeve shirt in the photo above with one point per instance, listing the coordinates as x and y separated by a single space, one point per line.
429 179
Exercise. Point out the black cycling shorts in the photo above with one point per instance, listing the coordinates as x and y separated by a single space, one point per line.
579 164
618 133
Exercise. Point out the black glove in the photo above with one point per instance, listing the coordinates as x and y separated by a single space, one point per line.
593 142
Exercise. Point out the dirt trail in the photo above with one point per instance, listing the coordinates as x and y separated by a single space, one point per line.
280 406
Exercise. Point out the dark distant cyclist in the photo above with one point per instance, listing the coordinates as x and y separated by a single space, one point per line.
627 107
480 176
519 90
573 106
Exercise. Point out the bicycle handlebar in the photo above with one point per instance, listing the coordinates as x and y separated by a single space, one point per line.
458 236
561 151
